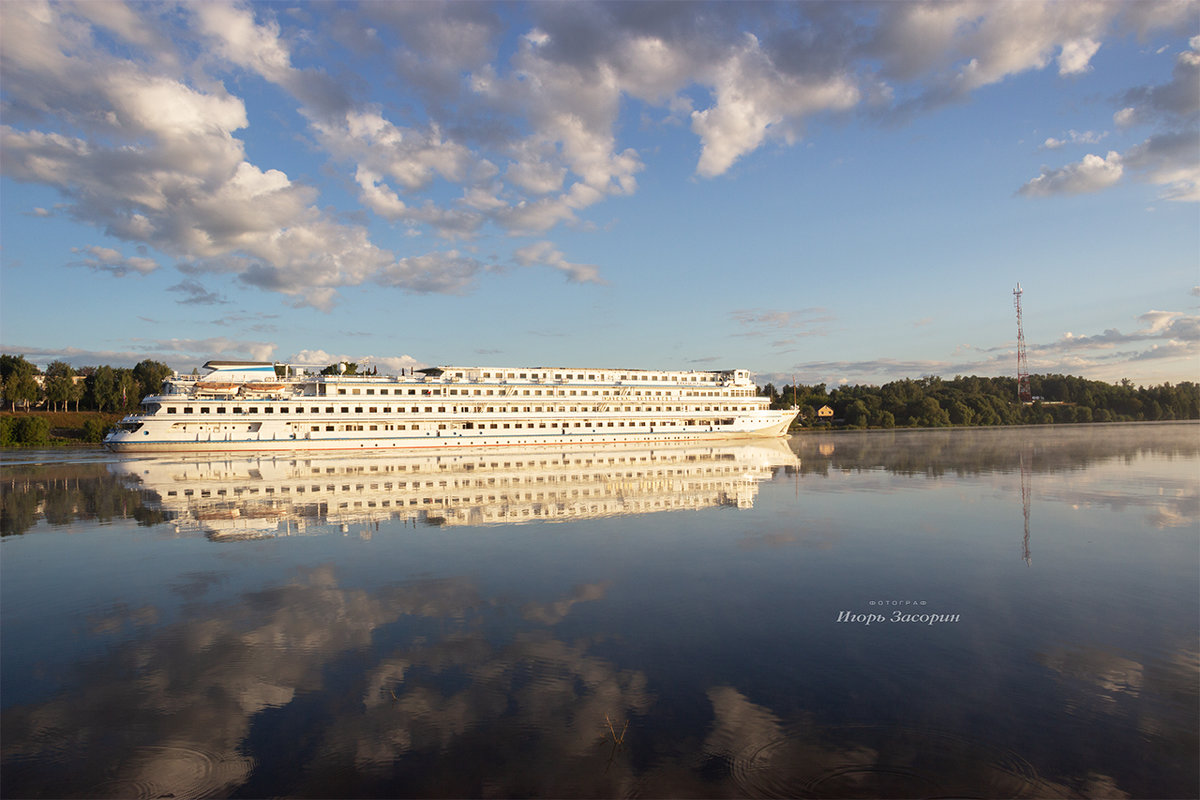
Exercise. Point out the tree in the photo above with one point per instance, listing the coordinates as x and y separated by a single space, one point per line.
31 430
150 376
94 430
16 380
960 413
60 384
103 388
883 419
929 414
348 368
128 393
857 414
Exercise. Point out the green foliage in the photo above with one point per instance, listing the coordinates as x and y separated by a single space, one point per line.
149 376
934 402
85 492
102 389
128 391
17 382
94 430
30 430
348 368
61 387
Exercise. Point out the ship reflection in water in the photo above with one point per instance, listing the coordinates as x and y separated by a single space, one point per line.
246 497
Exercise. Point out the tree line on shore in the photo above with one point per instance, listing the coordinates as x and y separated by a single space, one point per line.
928 402
932 402
102 388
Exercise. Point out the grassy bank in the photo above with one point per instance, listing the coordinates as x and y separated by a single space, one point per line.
54 428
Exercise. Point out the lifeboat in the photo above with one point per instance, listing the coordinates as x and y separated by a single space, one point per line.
216 389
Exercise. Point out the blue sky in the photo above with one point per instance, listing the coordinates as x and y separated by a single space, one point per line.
839 192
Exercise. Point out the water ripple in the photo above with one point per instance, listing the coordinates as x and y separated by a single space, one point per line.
180 772
881 761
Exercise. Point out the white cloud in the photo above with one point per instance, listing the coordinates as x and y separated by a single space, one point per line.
445 273
106 259
958 47
1073 137
545 254
752 96
1091 174
144 138
1167 159
1075 56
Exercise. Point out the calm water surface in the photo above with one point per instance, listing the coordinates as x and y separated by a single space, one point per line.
981 613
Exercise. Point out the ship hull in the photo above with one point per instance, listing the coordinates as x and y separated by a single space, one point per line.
130 443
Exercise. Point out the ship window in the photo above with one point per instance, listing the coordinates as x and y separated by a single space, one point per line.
188 410
388 409
172 410
522 374
441 409
383 391
221 409
204 409
316 427
269 410
341 391
374 428
345 409
328 409
370 391
374 409
328 427
428 410
251 410
358 409
412 391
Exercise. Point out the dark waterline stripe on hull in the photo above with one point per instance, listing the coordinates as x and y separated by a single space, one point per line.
442 444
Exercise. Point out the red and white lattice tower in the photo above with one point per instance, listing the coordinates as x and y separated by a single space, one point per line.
1024 394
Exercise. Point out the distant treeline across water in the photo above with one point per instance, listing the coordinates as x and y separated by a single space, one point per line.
909 403
934 403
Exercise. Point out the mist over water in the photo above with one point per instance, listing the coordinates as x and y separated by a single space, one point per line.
1000 612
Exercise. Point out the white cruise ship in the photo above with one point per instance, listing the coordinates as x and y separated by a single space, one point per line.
260 406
